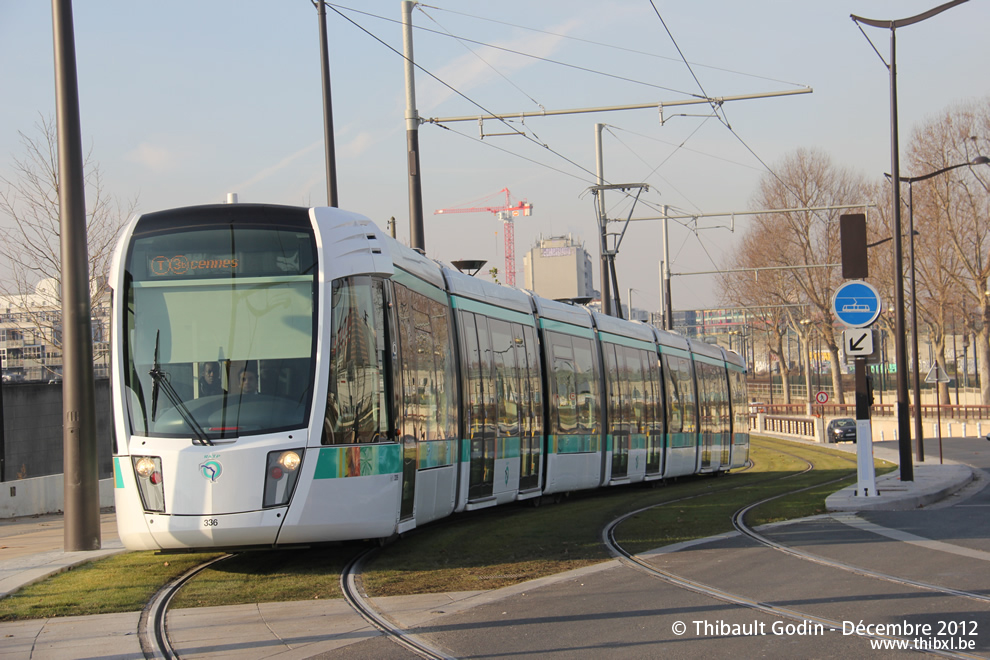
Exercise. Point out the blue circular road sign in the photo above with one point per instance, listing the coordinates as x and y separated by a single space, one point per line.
856 303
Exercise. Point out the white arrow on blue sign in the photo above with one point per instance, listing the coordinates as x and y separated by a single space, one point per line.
856 304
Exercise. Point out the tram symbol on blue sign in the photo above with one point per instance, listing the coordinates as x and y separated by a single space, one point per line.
856 304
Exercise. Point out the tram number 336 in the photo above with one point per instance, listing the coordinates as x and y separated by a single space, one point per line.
211 522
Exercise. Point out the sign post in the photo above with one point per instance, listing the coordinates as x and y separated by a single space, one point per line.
938 375
857 305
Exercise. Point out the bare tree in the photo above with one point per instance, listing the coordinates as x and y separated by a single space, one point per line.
795 240
952 213
765 295
29 241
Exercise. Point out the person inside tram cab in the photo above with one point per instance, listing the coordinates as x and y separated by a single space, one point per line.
209 379
248 381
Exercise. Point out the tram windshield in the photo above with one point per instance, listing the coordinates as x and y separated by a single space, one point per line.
219 325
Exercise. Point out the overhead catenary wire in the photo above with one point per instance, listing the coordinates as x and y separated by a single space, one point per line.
503 120
715 103
486 62
455 90
610 46
576 67
716 107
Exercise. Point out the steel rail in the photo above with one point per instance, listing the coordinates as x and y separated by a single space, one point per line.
637 563
356 600
152 626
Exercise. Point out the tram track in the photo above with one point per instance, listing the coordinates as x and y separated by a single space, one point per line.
738 520
156 644
152 625
358 602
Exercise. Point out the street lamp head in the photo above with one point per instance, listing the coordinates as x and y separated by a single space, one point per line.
980 160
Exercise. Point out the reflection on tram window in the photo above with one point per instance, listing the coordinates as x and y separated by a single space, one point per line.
355 411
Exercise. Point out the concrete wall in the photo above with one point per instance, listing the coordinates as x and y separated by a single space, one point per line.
32 430
41 495
32 448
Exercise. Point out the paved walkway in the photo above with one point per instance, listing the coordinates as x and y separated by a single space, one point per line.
30 549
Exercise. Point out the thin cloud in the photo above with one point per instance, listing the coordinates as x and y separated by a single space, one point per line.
277 167
475 69
156 158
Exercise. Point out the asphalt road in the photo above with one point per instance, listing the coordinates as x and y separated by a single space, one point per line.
623 613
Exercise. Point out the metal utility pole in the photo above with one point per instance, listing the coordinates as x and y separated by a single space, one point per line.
900 351
417 234
668 301
603 230
81 474
331 157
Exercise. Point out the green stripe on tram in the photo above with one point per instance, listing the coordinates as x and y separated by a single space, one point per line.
636 441
493 311
575 444
627 341
118 477
507 448
436 453
709 360
566 328
358 461
683 439
419 286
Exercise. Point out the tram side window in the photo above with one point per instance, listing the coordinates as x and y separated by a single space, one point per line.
616 420
535 382
713 397
356 395
740 410
575 377
506 378
639 395
587 384
651 371
473 384
680 394
705 394
565 392
427 407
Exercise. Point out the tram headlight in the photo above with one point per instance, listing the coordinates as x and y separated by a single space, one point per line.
281 472
148 470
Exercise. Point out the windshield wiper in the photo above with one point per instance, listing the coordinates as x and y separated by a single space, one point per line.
160 379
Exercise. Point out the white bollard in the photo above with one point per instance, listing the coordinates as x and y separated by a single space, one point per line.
950 430
881 435
964 430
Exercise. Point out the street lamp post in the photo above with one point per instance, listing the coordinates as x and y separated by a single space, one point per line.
903 422
807 355
916 377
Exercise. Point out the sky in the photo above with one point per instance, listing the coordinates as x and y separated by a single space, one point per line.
185 101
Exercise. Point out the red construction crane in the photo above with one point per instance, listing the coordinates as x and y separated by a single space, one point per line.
505 213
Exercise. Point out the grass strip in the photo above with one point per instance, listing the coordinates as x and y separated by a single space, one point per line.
121 583
487 550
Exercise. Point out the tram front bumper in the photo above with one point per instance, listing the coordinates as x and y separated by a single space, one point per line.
231 530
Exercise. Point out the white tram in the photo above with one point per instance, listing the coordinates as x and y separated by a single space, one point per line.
286 376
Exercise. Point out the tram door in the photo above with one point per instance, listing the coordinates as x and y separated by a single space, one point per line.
401 322
619 408
530 427
655 419
479 407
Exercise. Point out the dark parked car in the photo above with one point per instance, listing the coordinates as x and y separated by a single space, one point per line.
842 429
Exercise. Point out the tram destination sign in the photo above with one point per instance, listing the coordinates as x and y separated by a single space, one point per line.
856 304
